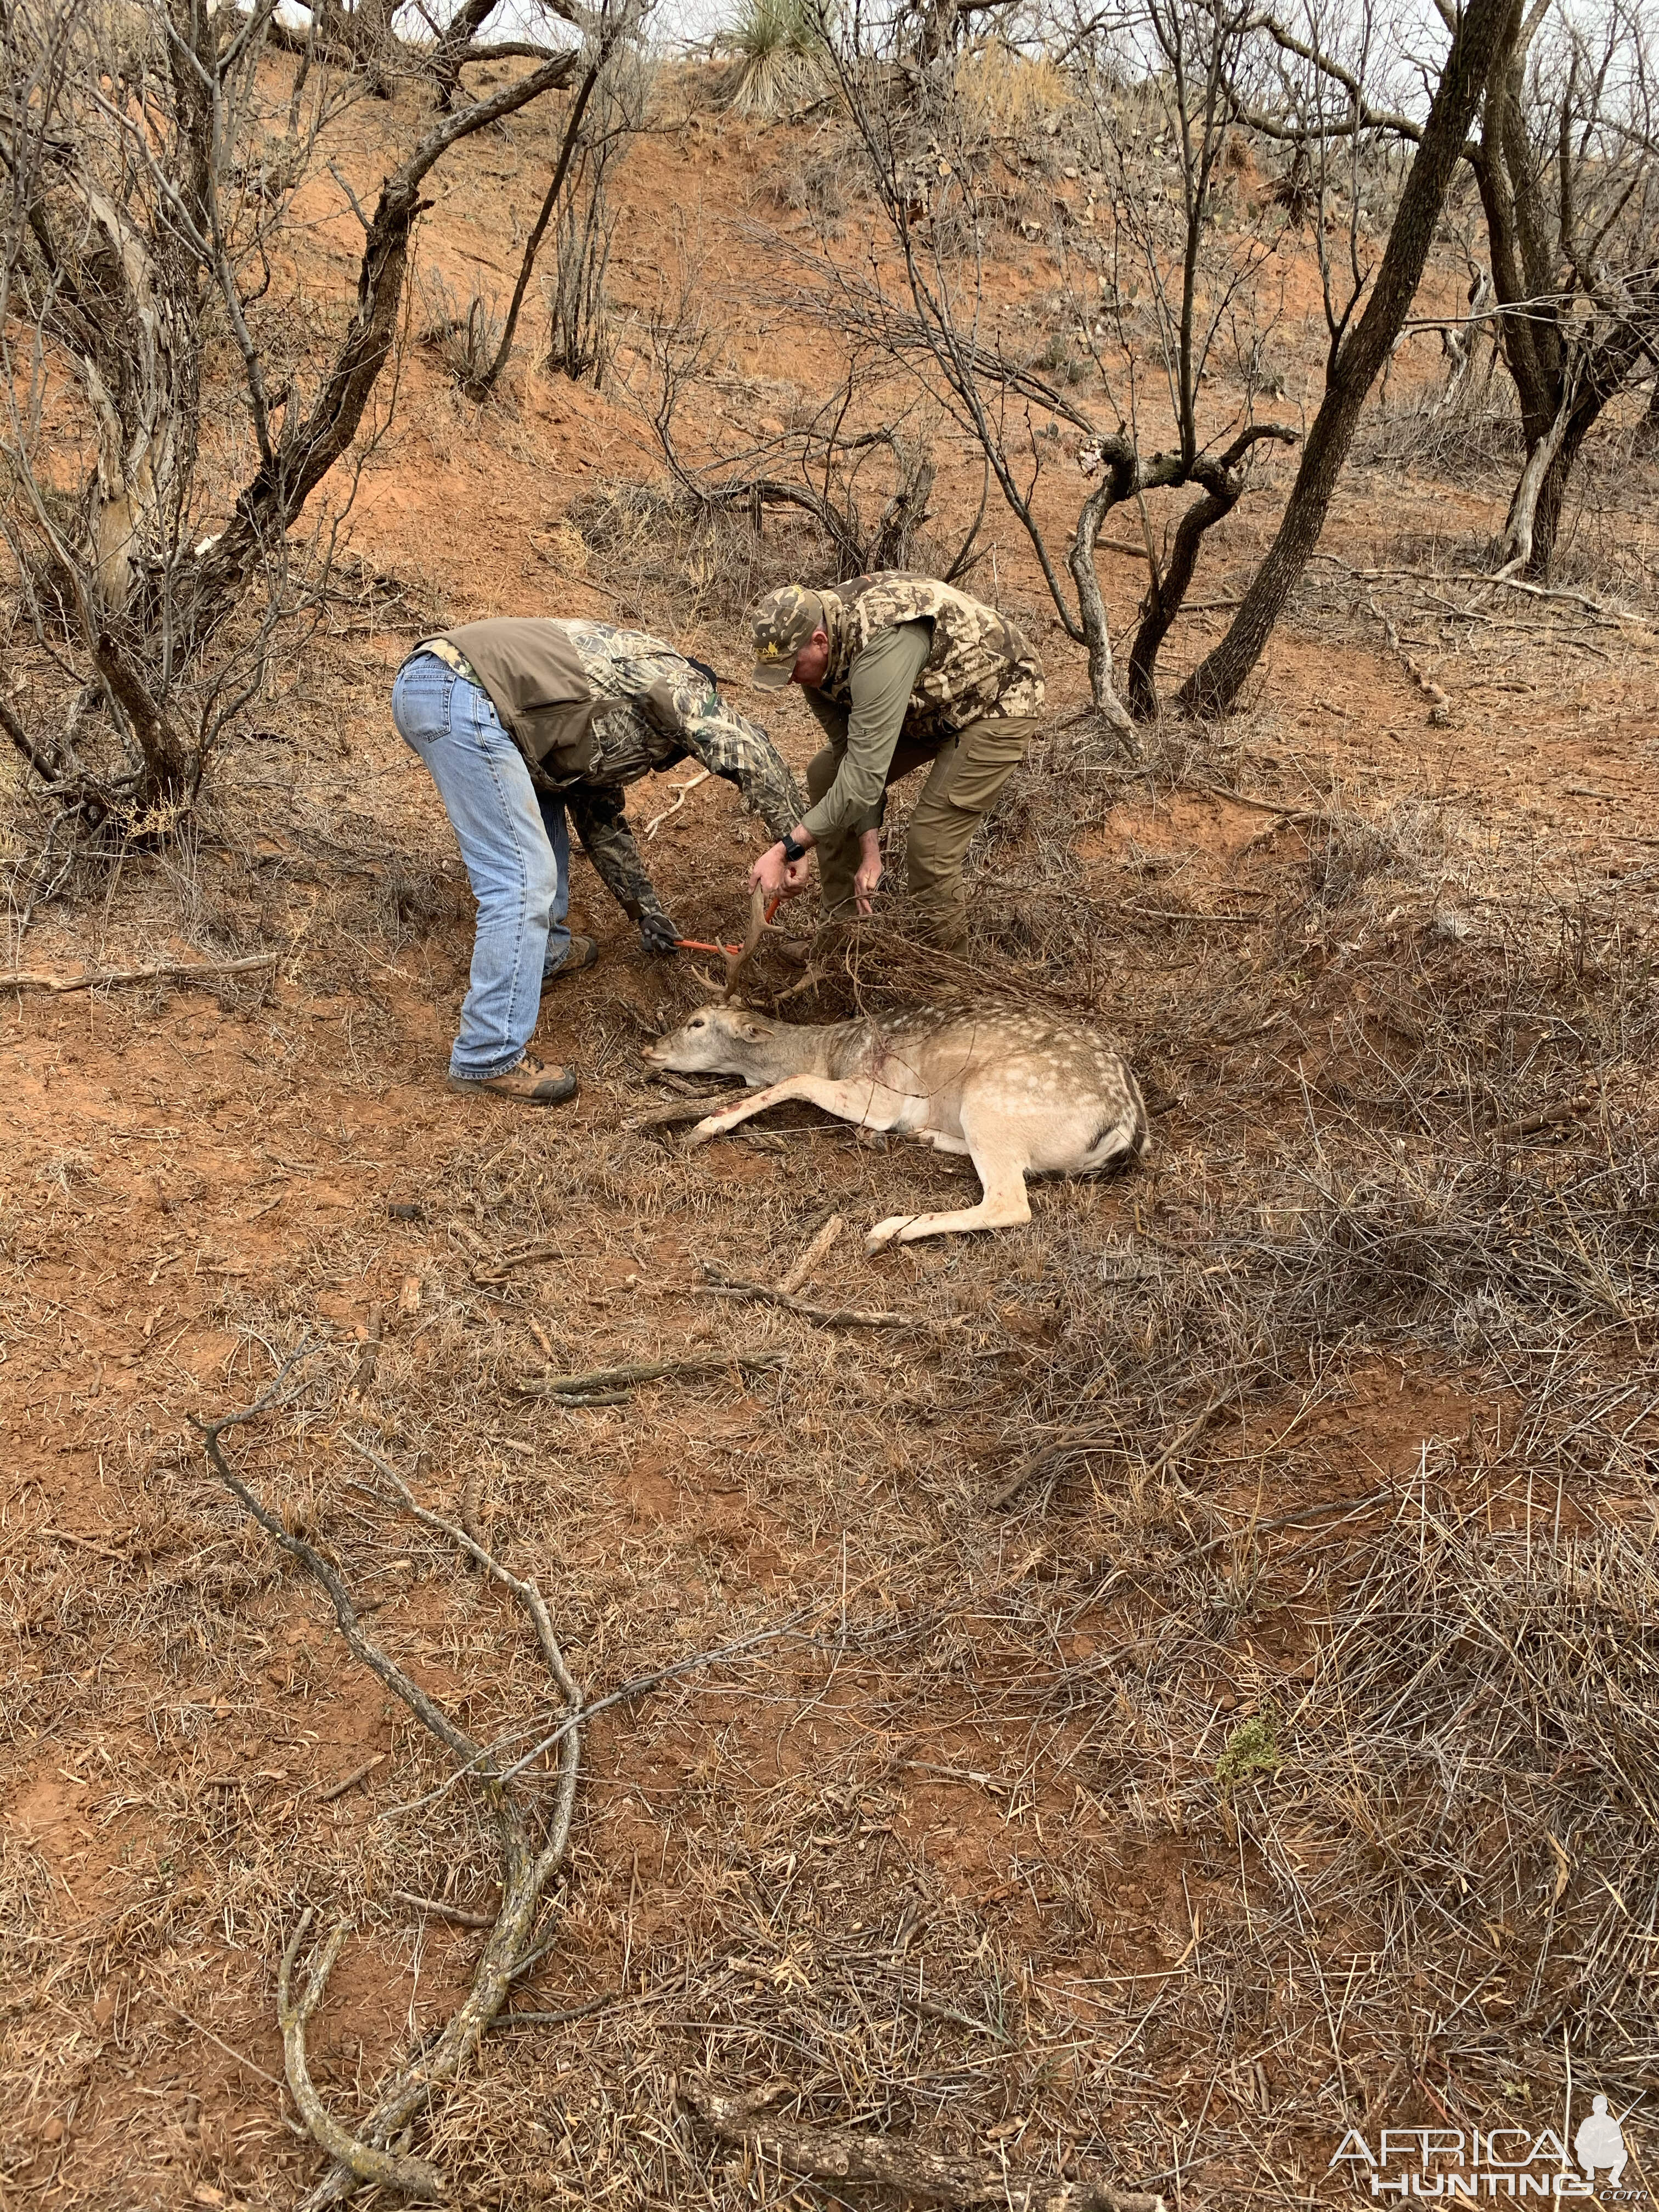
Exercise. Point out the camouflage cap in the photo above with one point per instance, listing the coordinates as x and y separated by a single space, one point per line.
783 623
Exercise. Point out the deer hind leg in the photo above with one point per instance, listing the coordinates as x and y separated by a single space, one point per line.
1004 1206
850 1102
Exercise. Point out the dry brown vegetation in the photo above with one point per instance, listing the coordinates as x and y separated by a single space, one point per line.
1190 1690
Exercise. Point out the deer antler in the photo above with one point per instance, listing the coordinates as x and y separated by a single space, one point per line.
737 961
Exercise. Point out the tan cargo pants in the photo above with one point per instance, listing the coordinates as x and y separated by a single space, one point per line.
965 779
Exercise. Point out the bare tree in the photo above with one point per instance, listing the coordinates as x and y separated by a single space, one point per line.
364 38
1360 342
1014 399
1569 182
1566 163
613 43
858 463
582 337
145 182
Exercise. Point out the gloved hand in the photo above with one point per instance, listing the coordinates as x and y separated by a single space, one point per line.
659 934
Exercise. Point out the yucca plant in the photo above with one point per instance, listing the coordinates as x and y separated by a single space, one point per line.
781 49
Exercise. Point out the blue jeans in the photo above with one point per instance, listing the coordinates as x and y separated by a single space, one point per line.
516 847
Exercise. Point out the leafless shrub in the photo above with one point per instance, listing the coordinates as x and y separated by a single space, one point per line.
938 192
1457 446
582 339
674 562
858 466
824 183
465 337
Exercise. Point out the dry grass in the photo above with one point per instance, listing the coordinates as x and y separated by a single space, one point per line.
1456 444
670 564
1011 95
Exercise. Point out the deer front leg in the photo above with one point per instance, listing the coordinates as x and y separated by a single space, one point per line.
849 1101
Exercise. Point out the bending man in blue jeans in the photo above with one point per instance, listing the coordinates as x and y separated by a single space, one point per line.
518 720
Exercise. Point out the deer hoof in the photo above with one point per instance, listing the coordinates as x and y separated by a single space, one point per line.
884 1231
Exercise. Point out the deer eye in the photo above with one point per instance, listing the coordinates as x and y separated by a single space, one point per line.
698 1024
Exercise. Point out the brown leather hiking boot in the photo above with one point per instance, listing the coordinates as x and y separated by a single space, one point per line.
530 1083
584 952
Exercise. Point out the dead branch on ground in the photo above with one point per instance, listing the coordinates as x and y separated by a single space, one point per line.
529 1860
1439 704
718 1285
104 979
786 1285
439 1911
350 1780
414 2177
594 1387
835 2154
696 1109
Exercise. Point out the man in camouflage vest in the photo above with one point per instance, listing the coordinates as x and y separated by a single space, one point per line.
901 671
518 721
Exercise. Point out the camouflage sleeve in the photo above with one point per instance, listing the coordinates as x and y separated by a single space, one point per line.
731 745
597 816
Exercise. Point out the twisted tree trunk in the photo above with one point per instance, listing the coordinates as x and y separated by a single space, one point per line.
1534 523
273 501
1113 488
1222 484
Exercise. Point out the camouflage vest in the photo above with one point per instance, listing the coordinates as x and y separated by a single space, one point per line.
553 684
981 664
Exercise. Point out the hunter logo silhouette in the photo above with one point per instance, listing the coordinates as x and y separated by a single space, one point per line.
1600 2142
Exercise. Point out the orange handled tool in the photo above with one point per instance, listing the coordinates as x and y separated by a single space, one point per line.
730 951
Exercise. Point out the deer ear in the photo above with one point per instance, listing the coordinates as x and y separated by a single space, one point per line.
749 1027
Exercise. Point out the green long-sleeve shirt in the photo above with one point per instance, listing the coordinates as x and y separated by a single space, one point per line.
883 681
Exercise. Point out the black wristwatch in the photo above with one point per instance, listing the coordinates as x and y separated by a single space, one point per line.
791 851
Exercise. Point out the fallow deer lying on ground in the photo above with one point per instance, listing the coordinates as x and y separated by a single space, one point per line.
1021 1093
